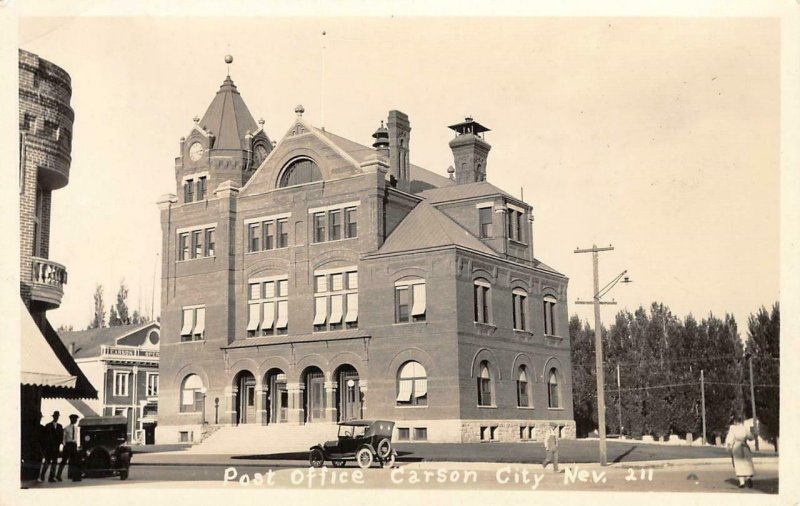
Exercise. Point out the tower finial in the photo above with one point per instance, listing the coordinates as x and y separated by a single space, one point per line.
229 60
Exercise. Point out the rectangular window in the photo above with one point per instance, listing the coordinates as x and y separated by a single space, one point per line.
485 221
283 233
268 307
121 379
482 312
319 227
522 394
519 301
193 324
253 238
197 244
335 220
549 304
410 301
183 246
420 433
152 384
403 433
515 228
351 225
210 232
201 188
268 229
188 190
336 302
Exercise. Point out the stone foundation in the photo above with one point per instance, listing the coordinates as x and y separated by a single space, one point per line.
475 431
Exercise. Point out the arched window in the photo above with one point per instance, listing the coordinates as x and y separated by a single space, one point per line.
549 307
300 171
523 388
412 385
553 389
484 385
519 303
192 394
483 310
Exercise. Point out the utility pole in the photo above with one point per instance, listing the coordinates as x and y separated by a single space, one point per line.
703 398
598 343
753 401
619 402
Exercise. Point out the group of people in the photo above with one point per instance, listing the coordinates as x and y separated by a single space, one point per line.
46 442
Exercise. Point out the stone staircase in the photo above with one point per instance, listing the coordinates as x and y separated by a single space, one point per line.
252 439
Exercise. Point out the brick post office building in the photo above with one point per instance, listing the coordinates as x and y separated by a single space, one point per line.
316 279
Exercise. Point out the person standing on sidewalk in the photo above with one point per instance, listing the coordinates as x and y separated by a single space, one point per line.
53 434
70 453
551 448
742 458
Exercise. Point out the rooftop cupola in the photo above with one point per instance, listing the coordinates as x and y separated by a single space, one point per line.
470 151
381 143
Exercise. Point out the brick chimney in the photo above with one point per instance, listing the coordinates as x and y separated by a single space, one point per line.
399 136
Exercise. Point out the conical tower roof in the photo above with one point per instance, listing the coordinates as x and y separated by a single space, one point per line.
228 118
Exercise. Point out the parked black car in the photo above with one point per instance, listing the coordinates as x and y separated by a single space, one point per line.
364 441
103 451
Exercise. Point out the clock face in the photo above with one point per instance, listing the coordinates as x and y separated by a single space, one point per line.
260 155
196 151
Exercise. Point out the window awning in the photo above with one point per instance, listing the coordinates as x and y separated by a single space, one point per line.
283 315
40 365
269 316
404 393
420 302
320 310
352 308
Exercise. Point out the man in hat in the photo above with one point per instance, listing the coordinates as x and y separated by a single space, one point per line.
70 453
52 435
551 448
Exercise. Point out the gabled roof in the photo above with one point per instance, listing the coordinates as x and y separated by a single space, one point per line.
228 118
427 227
88 342
463 191
422 177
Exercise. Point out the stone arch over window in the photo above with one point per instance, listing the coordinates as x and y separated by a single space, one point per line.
311 360
412 384
299 171
413 353
485 354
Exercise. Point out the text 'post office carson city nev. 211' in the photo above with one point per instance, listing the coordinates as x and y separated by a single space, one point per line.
317 279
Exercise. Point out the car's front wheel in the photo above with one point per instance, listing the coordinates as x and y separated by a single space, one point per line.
316 458
364 458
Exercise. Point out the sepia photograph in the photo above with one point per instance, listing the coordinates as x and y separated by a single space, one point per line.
358 255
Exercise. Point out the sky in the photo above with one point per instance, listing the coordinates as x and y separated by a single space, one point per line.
660 136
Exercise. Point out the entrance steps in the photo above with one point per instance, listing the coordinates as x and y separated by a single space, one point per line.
252 439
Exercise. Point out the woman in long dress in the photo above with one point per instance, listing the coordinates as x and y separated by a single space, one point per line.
742 458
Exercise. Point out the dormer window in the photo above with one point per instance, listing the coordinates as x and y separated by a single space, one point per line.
300 171
515 228
485 222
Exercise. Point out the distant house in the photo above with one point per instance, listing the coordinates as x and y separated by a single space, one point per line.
123 363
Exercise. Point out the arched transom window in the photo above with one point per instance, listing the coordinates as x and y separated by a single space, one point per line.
412 385
553 389
300 171
192 394
484 385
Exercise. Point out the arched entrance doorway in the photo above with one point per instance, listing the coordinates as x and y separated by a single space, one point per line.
348 393
244 385
313 395
276 396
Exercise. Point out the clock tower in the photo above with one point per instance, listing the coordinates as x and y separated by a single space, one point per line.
226 144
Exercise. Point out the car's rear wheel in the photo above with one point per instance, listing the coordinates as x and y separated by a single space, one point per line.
384 448
364 458
338 463
316 458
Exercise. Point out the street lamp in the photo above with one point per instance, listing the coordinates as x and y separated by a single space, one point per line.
203 393
216 410
598 340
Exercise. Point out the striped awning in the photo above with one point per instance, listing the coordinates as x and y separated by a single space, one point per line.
40 366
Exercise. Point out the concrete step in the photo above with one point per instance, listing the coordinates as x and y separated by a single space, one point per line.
251 439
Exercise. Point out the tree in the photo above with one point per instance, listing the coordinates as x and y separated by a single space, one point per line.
584 396
136 318
763 347
119 313
64 328
99 316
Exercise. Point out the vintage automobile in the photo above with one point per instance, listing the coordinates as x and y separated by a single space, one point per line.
364 441
103 451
